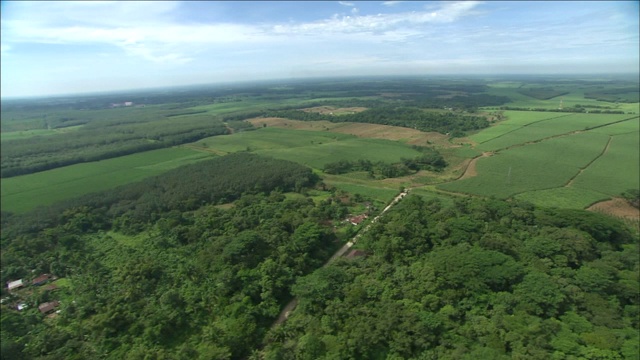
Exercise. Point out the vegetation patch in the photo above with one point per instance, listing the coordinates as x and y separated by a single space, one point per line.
23 193
563 197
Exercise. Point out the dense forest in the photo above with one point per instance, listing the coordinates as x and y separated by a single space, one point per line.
484 279
157 269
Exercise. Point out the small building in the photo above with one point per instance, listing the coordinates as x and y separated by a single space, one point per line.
22 306
356 220
13 285
128 103
48 306
40 280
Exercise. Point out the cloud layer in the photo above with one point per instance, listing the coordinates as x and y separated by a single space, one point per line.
375 37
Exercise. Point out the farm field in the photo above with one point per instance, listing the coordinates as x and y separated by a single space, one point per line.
549 127
22 193
550 160
575 95
311 148
544 165
617 170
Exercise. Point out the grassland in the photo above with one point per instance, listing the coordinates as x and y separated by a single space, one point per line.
22 193
311 148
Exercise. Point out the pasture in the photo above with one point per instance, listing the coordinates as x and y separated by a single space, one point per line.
23 193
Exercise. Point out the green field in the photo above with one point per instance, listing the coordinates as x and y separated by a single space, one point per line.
549 127
575 96
544 165
376 193
311 148
617 170
22 193
568 197
550 159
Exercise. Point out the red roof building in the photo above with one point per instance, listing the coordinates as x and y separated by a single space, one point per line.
41 279
48 306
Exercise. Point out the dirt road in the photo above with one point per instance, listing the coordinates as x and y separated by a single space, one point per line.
284 314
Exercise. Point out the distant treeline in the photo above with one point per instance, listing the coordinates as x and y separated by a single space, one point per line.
104 139
576 109
452 123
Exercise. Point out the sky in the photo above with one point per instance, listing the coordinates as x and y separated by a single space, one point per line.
55 48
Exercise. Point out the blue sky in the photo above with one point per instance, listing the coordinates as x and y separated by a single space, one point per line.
51 48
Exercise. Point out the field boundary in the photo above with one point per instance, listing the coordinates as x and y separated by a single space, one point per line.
525 125
604 151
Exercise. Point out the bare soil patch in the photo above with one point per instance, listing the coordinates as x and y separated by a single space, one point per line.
293 124
617 207
471 168
396 133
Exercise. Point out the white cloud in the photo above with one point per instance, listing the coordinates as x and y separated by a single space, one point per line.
147 29
391 3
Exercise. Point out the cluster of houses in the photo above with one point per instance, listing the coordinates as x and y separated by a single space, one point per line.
46 308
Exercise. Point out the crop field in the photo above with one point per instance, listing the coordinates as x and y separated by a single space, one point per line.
568 160
22 193
544 165
617 170
515 120
575 96
568 197
550 127
311 148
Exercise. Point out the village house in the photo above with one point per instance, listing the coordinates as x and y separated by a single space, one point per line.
48 306
13 285
40 280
